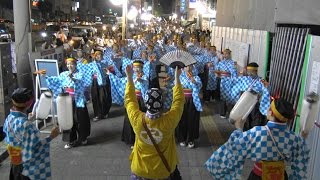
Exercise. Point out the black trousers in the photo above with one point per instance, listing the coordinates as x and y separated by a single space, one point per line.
188 127
2 134
16 173
81 126
211 94
128 135
101 99
255 118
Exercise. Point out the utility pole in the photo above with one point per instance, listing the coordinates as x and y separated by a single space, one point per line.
22 30
152 4
141 11
124 19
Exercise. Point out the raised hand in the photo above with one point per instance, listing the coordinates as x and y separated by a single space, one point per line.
41 72
177 74
129 71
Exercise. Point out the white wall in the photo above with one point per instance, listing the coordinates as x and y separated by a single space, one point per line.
264 14
237 39
246 14
298 12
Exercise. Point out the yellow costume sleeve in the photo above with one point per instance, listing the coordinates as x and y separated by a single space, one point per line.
172 117
131 104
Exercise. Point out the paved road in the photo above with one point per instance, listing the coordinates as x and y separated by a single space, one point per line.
106 156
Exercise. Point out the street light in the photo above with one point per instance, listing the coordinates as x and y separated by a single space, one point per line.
133 13
124 4
200 10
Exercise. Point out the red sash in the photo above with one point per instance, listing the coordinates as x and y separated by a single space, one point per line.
187 92
70 91
138 93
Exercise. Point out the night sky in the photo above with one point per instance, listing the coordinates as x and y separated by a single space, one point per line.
166 5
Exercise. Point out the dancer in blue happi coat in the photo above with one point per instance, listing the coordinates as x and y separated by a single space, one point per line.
73 82
225 71
150 69
111 62
210 90
100 87
81 63
118 90
168 46
29 153
257 117
271 147
116 58
188 129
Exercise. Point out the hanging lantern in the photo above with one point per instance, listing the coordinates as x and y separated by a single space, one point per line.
64 111
44 105
309 112
244 106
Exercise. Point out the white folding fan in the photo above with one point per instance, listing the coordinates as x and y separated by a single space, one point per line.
178 58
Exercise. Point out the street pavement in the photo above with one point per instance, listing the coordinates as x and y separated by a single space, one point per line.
106 157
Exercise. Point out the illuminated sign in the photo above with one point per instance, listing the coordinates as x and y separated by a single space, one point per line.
183 6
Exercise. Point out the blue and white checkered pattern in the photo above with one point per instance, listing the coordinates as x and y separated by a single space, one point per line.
149 69
158 51
201 61
107 53
228 66
125 63
35 151
97 67
109 62
196 87
87 77
226 82
126 51
225 89
195 50
212 79
118 86
243 83
256 145
136 53
169 92
169 48
58 84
